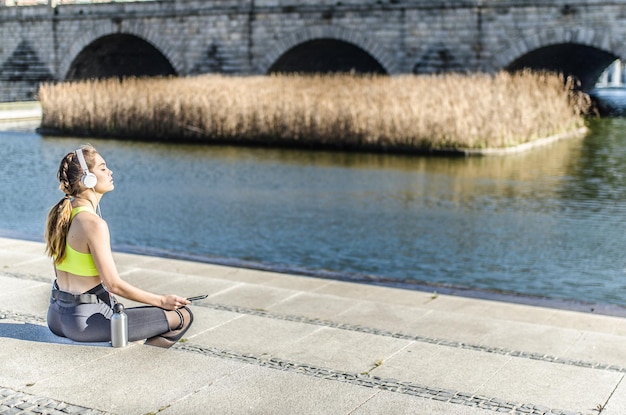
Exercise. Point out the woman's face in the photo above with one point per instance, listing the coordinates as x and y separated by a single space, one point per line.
104 175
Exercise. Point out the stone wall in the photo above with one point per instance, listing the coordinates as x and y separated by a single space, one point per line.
40 43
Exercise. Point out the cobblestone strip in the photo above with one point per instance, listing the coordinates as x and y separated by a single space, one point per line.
369 381
14 402
417 338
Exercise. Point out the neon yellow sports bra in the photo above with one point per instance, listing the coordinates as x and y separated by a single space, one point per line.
76 262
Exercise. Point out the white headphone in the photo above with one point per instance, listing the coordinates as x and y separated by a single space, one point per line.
89 180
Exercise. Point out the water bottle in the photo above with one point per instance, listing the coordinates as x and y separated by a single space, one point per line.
119 326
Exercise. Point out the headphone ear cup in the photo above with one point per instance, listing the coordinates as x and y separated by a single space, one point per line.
89 180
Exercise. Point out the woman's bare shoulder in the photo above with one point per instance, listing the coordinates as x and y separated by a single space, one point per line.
91 221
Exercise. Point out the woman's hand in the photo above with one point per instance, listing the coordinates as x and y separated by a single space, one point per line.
172 302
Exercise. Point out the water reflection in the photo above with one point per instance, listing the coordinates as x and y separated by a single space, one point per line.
546 222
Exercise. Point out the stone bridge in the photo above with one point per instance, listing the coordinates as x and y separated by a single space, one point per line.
78 40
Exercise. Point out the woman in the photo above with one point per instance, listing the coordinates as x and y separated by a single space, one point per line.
78 241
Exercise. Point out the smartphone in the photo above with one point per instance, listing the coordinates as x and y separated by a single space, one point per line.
198 297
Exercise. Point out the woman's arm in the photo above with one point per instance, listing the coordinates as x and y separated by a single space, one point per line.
100 247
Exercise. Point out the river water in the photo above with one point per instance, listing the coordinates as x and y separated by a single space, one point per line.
547 223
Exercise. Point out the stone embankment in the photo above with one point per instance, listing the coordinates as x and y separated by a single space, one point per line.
270 343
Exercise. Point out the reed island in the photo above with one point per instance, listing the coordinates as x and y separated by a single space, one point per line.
407 113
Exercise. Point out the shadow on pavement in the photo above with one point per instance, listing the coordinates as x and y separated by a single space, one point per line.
38 333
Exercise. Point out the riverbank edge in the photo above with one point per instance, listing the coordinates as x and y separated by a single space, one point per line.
11 112
434 289
540 142
32 111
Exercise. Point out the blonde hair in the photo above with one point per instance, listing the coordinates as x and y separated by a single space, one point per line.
59 216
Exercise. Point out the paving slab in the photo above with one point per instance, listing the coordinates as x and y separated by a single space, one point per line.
182 267
11 257
38 266
253 296
616 403
447 367
262 336
492 309
397 296
558 386
257 390
536 338
392 403
24 295
588 322
598 347
313 305
343 350
137 379
27 362
384 316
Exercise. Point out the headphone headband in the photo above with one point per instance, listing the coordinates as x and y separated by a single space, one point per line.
89 180
81 160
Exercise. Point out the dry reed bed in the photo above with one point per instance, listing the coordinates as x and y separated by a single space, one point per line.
345 111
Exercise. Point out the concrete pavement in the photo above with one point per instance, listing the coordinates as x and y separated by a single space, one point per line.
270 343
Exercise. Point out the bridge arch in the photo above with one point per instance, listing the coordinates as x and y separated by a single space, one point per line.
326 56
581 52
327 33
145 37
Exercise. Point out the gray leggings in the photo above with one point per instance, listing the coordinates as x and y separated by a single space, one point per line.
92 322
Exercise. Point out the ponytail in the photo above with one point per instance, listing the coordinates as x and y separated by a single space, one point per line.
57 226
